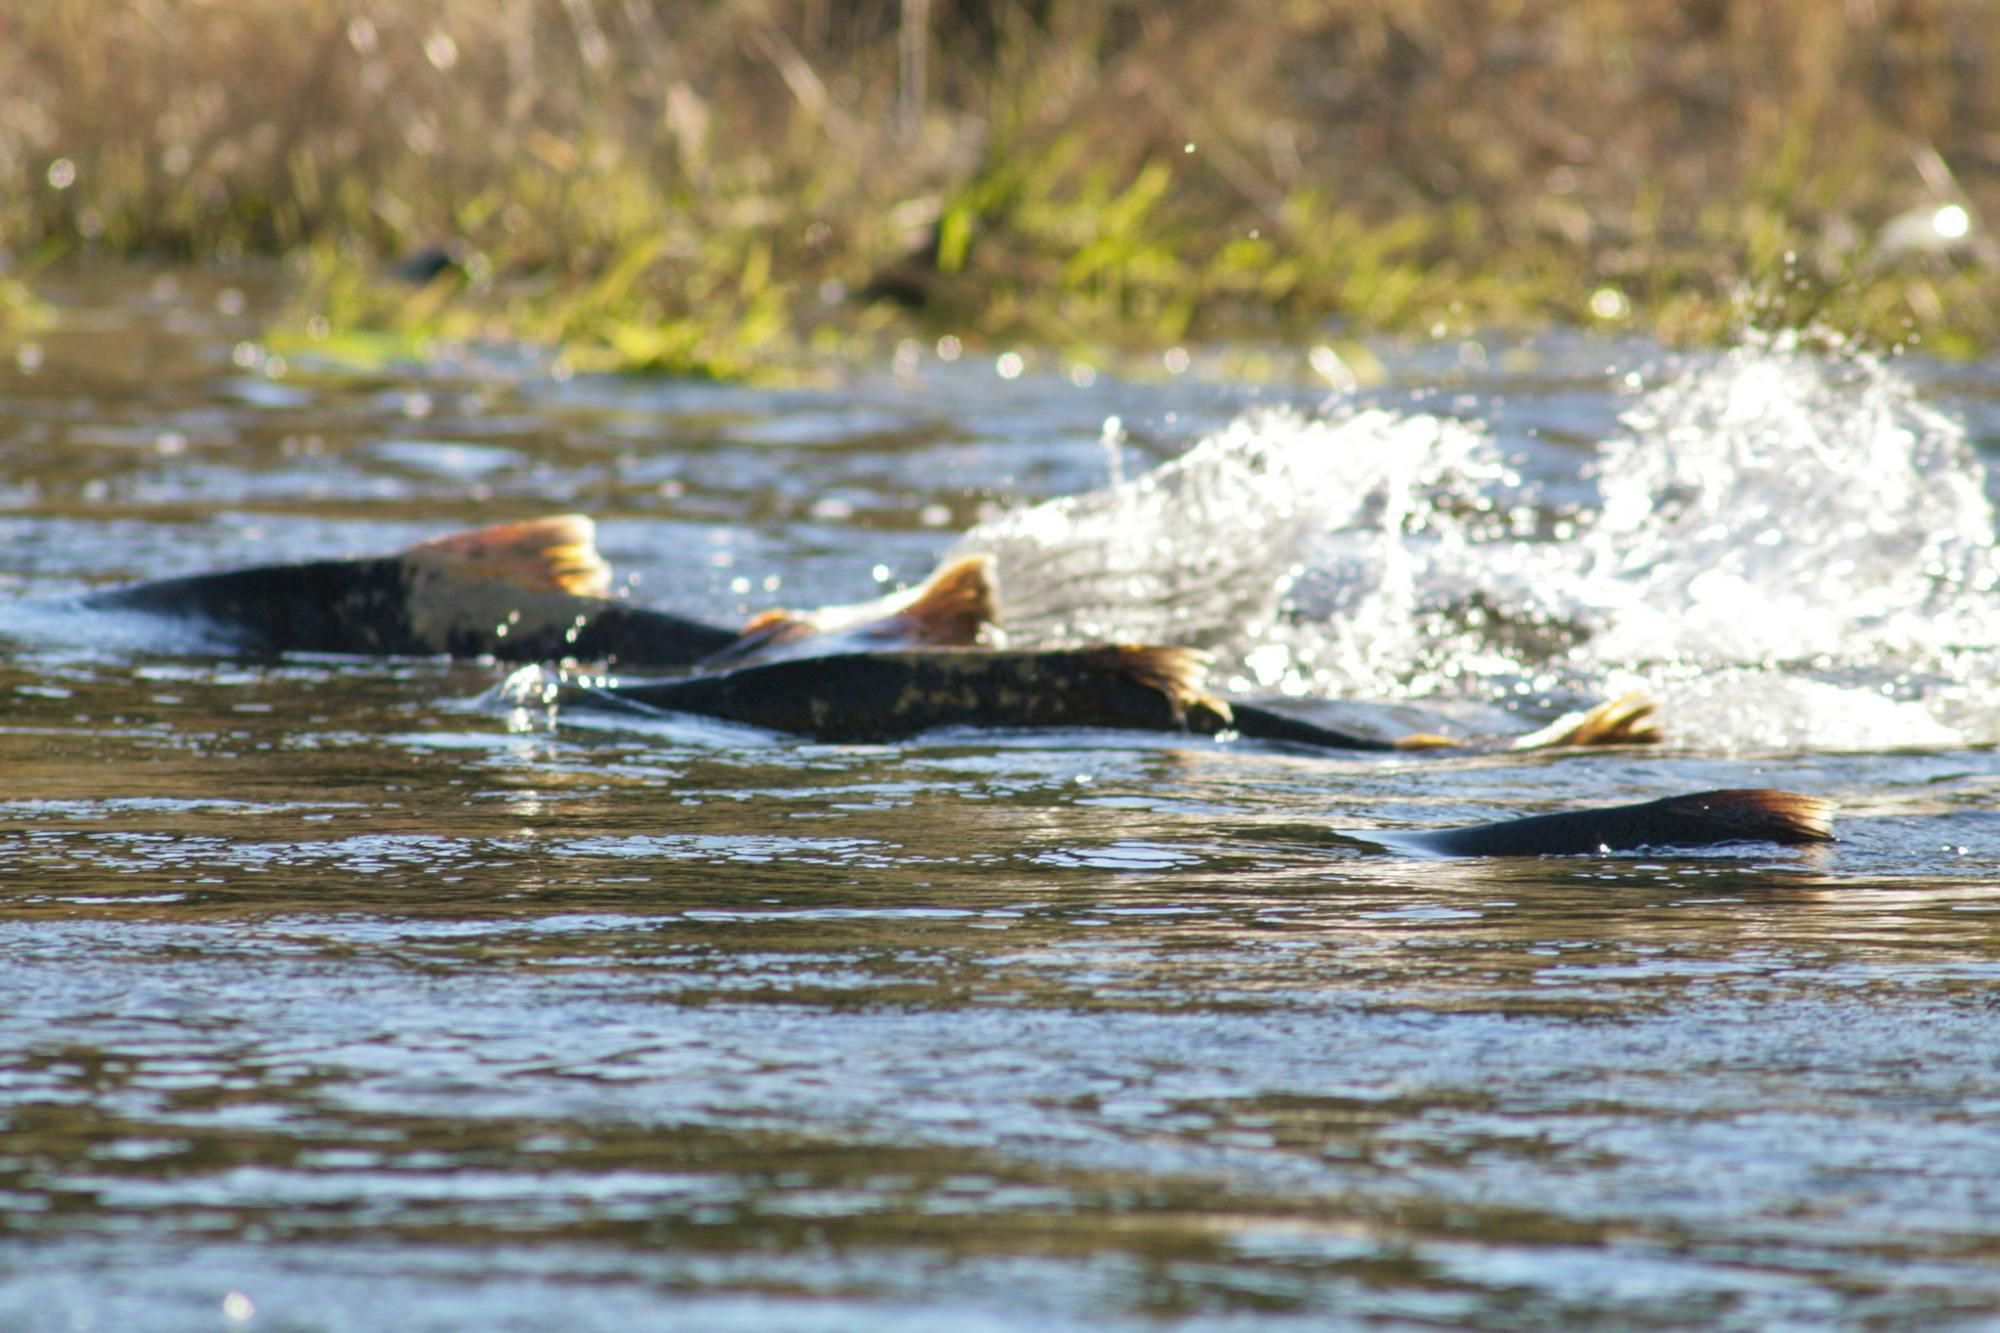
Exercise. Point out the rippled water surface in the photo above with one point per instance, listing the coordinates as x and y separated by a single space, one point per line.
334 995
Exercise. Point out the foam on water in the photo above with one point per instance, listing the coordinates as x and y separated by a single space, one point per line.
1789 547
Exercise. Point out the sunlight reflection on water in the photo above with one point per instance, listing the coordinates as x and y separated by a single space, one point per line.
323 988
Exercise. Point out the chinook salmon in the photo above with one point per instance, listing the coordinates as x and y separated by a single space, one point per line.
531 591
888 695
879 696
1703 819
884 696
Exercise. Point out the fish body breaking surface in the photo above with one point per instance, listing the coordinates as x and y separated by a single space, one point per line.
892 694
532 591
1700 819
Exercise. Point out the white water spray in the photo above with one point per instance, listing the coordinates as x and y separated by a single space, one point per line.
1791 549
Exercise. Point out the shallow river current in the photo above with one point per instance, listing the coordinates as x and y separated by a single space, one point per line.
338 994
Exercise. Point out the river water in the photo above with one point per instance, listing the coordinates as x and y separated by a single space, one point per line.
335 994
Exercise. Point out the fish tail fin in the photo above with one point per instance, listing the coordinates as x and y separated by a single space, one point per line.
1630 719
1180 675
1756 814
553 554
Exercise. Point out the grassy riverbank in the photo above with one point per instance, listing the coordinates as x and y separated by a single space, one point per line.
723 189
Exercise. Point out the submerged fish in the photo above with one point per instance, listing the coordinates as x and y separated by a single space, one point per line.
893 694
1703 819
532 591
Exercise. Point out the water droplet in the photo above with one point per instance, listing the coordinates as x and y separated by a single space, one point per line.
441 50
1329 366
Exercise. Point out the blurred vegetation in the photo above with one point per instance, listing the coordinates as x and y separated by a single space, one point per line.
725 188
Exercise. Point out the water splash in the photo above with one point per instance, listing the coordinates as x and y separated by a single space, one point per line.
1790 547
1205 549
1780 506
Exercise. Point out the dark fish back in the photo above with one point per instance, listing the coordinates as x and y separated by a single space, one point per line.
394 606
1262 723
888 695
1703 819
322 606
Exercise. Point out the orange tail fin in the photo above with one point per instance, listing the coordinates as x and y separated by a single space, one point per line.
1630 719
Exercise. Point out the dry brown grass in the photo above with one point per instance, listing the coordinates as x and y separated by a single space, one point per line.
691 185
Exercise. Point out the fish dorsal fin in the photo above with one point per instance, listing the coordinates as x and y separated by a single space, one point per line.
954 608
1630 719
1758 814
554 554
1180 674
